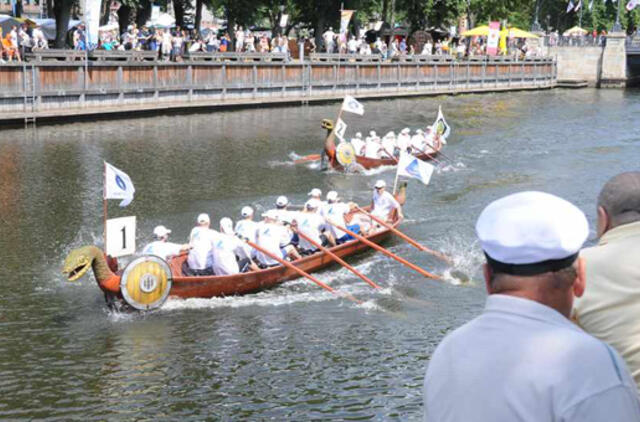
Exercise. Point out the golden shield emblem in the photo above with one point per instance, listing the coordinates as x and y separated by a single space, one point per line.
345 153
146 282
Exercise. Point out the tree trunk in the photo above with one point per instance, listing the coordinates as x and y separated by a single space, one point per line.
143 13
178 10
198 21
318 30
105 10
50 12
124 17
385 10
62 12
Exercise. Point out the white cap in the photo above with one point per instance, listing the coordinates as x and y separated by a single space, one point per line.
282 201
359 135
226 225
271 214
203 218
390 134
405 130
315 192
419 131
380 184
531 227
372 133
312 204
161 231
332 195
246 211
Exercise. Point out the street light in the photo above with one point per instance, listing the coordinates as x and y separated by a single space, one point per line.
616 26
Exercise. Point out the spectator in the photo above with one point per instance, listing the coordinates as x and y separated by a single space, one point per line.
39 41
610 306
328 38
239 39
427 48
167 41
352 45
177 46
225 42
212 42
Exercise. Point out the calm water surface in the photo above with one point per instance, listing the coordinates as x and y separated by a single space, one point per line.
295 352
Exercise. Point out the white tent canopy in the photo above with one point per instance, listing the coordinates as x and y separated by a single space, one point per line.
164 20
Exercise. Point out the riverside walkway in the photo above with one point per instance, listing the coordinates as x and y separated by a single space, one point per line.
55 88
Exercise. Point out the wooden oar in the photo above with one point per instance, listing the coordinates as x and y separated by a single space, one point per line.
302 273
310 157
405 237
386 252
390 155
429 155
338 259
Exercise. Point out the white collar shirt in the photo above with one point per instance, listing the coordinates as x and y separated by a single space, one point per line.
523 361
383 203
335 213
271 237
310 224
201 241
162 249
372 149
225 249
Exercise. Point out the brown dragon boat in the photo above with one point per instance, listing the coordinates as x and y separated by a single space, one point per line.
345 159
147 281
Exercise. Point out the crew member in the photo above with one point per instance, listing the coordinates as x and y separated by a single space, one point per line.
200 260
522 359
312 225
317 195
229 253
161 247
358 144
417 142
372 147
246 229
404 140
383 203
335 212
389 145
274 238
610 306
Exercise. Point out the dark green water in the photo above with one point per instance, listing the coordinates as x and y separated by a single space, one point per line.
295 352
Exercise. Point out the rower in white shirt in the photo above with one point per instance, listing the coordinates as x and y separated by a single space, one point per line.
201 240
274 238
335 212
383 203
372 148
358 144
317 195
389 145
246 229
314 226
161 247
229 253
404 139
417 142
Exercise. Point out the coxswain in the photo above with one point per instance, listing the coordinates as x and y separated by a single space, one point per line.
383 203
161 247
389 144
274 238
314 226
229 253
201 238
358 144
404 140
335 212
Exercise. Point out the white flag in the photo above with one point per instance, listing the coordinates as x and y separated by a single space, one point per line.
570 6
341 128
578 6
352 105
117 185
591 5
632 5
410 166
440 125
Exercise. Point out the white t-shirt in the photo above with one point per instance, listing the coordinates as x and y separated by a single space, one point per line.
388 145
371 149
310 224
201 240
417 142
247 229
271 237
358 145
383 204
335 213
404 142
162 249
225 249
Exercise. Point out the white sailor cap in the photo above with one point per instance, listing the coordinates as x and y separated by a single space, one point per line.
312 204
246 211
332 195
203 218
531 233
226 225
315 192
282 201
380 184
161 231
271 214
359 135
390 134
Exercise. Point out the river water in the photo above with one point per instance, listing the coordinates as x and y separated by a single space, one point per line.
291 353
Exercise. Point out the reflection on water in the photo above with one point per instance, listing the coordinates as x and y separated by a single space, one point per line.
294 352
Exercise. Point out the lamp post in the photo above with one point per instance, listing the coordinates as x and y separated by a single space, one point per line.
536 25
616 26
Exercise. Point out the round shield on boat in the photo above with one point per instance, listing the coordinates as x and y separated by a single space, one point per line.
145 283
345 153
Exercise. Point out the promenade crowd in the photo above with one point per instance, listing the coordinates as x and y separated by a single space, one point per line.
558 337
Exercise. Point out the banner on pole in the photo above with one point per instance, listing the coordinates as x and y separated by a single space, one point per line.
493 38
92 22
283 20
345 17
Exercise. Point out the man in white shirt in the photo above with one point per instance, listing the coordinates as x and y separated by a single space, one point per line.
417 142
239 39
316 194
352 45
274 238
228 251
372 147
404 140
522 359
161 247
200 260
328 38
246 229
358 144
312 225
389 145
383 203
335 212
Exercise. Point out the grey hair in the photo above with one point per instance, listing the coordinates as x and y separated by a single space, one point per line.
620 198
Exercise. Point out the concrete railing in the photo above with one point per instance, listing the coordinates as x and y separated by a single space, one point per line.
50 85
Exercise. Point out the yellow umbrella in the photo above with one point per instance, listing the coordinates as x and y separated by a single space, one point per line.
519 33
478 31
576 30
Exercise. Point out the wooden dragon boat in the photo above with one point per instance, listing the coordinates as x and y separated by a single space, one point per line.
343 157
147 281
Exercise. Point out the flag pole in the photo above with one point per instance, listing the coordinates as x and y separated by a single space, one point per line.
104 204
395 182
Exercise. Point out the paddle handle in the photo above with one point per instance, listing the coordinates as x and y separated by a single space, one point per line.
299 271
386 252
338 260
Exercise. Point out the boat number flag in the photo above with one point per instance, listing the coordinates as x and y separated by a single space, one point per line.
352 105
117 185
341 128
410 166
440 125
